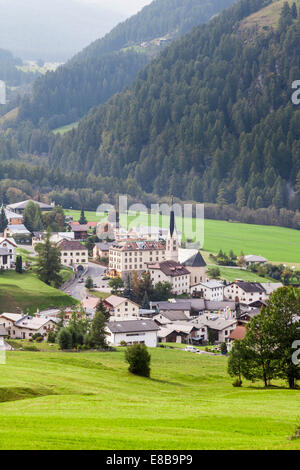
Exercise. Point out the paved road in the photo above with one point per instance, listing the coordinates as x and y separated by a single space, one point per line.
78 290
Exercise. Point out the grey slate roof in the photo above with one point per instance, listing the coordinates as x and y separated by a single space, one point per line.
174 315
196 261
132 326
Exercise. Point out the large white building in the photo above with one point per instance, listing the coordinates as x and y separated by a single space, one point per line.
28 326
128 256
132 332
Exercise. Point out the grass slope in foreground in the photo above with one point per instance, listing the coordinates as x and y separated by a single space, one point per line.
90 401
277 244
27 292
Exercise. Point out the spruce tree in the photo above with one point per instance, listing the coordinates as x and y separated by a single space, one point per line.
3 220
19 265
98 330
82 220
49 264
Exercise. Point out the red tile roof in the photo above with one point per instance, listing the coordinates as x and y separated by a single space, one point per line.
170 268
238 333
66 245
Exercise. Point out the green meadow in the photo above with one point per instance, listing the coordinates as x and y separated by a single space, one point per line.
90 401
27 292
277 244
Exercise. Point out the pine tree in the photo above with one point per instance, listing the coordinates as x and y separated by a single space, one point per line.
146 303
19 265
294 11
3 220
82 220
98 330
49 265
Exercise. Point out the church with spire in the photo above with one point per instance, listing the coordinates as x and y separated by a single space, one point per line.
172 239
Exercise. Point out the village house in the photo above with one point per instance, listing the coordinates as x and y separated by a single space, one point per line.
193 261
220 329
28 326
89 305
9 245
74 254
5 259
13 218
19 233
101 250
236 335
132 332
197 307
173 273
121 308
254 259
80 231
209 290
245 292
9 320
179 333
170 316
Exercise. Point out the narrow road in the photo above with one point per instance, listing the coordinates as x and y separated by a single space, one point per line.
77 289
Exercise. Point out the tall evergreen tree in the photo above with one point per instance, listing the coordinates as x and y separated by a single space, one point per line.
49 264
3 220
82 220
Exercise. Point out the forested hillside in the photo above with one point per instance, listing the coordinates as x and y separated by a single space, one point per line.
111 63
210 120
9 71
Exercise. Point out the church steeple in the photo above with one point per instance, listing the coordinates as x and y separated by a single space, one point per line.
172 239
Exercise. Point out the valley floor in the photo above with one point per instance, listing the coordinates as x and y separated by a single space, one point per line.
89 401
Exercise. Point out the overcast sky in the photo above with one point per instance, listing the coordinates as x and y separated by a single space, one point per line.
126 7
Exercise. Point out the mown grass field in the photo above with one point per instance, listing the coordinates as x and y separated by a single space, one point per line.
27 292
277 244
90 401
62 130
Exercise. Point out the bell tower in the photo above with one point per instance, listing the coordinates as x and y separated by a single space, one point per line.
172 238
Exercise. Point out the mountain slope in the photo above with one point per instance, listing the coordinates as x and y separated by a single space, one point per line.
210 120
111 63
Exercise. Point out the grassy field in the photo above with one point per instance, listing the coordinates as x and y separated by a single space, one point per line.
27 292
266 18
231 274
277 244
62 130
90 401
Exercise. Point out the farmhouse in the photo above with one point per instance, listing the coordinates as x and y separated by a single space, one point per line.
237 334
89 305
210 290
19 233
245 292
9 320
73 254
80 231
173 273
254 259
9 245
170 316
101 250
5 259
28 326
220 329
121 308
178 333
132 332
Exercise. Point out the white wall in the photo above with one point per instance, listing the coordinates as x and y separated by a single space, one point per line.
149 338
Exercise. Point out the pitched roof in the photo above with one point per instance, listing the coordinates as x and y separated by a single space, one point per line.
220 323
196 261
70 245
32 323
238 333
255 259
170 268
11 316
8 240
79 228
250 286
18 229
174 315
23 204
115 300
104 246
132 326
12 215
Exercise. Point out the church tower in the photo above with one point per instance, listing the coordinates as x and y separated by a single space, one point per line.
172 239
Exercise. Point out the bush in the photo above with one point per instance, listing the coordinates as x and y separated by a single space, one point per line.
224 349
123 344
51 337
138 359
64 339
